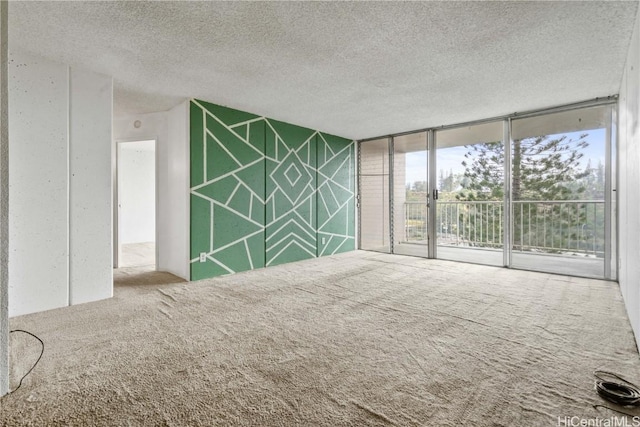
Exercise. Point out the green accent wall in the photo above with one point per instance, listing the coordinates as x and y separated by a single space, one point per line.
265 192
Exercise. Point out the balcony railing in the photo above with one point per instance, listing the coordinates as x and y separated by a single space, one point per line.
561 227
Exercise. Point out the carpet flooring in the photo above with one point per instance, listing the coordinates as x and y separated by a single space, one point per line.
357 339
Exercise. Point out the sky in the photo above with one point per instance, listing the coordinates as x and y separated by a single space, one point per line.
450 158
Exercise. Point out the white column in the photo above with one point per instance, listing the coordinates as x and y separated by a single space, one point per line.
4 204
90 110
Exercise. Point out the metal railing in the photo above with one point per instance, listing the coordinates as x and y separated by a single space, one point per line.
562 227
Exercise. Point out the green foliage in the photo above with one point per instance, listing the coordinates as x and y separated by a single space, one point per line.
543 168
546 170
416 192
484 172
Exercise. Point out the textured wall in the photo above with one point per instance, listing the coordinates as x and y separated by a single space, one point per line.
173 224
629 184
4 203
39 177
264 192
60 193
90 106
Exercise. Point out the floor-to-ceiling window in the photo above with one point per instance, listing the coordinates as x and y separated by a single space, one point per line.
534 191
410 194
559 187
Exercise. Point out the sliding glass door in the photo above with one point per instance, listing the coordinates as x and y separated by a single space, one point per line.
469 204
534 192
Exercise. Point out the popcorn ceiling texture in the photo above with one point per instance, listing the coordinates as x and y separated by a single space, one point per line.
358 69
356 339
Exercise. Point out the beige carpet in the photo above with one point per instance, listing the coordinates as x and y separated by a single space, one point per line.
359 339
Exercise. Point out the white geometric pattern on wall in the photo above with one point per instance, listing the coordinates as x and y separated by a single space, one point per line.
265 192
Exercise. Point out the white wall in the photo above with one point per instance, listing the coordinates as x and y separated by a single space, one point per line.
39 184
90 112
629 182
171 132
4 203
137 191
58 135
174 227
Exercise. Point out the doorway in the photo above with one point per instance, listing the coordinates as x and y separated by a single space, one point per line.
469 194
136 203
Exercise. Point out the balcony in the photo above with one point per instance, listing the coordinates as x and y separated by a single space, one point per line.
566 235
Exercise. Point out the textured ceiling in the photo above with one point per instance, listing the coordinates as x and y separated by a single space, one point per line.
357 69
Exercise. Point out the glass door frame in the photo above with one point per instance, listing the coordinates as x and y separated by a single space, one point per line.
611 182
434 187
507 238
610 270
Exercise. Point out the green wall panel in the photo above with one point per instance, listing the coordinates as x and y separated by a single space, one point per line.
235 257
200 226
229 171
265 192
202 270
291 177
335 201
227 115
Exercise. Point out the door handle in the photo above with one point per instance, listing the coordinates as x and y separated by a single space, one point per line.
435 194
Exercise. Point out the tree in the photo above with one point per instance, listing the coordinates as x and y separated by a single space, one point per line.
592 182
420 186
448 182
544 168
484 172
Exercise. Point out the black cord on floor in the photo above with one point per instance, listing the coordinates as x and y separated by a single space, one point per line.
615 410
621 392
34 365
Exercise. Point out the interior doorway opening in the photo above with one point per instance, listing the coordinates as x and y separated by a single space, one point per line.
136 202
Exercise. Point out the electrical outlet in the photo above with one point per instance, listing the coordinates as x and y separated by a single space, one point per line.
323 240
203 256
